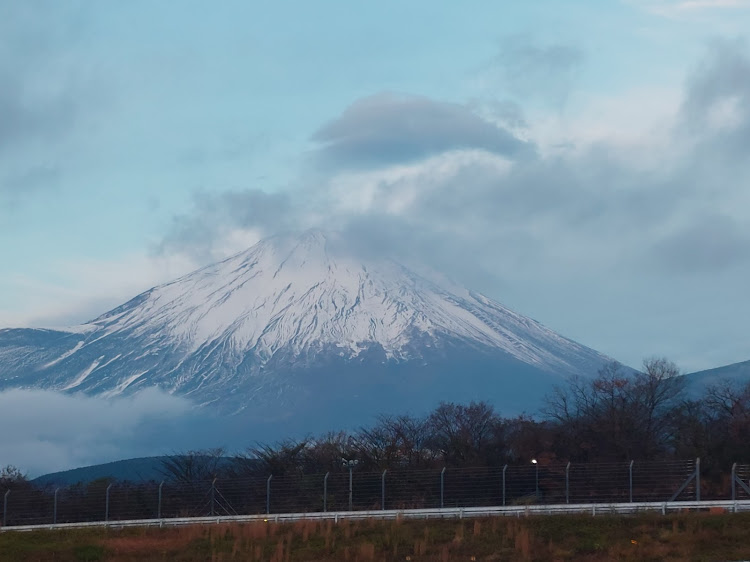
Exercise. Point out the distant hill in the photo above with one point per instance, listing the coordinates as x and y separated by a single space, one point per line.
737 373
143 469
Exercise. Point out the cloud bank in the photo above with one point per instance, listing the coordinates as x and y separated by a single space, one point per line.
644 217
391 129
47 431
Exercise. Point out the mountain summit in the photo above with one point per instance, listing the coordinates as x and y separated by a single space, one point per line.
298 321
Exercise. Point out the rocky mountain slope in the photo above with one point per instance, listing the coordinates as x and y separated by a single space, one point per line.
298 323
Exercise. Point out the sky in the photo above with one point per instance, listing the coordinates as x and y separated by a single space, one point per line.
586 163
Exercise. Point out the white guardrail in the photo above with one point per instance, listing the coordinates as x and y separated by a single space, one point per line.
437 513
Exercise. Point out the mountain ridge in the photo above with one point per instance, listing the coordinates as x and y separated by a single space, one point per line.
245 331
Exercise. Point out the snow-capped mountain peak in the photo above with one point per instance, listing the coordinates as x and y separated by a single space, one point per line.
236 328
298 293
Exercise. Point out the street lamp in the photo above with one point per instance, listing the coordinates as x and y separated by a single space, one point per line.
536 476
350 464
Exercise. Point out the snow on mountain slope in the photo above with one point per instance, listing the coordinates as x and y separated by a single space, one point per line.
234 331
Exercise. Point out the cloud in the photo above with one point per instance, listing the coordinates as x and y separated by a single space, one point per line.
613 217
526 68
702 4
225 223
48 431
46 93
626 204
80 290
25 115
507 112
392 128
37 95
708 243
671 8
619 203
716 108
724 16
41 176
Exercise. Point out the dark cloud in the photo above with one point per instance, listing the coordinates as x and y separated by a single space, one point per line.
567 209
709 244
24 116
216 215
527 68
723 75
42 96
32 179
589 208
507 112
716 108
479 223
606 221
394 128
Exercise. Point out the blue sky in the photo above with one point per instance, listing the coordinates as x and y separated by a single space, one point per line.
585 163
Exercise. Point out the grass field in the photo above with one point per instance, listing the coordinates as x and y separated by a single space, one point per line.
648 537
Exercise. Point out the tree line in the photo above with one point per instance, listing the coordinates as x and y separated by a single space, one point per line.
619 415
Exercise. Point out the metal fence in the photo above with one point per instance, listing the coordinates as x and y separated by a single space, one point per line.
350 490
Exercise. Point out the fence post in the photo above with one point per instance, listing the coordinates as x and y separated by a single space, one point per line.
567 483
268 495
504 469
630 484
106 503
158 508
698 479
325 492
442 488
5 508
350 488
734 486
213 497
54 509
382 490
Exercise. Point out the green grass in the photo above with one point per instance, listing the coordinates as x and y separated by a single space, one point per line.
639 538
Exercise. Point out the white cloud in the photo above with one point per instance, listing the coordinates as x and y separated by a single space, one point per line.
46 431
75 291
710 4
396 189
585 215
690 8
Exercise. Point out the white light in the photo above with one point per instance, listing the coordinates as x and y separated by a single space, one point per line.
533 461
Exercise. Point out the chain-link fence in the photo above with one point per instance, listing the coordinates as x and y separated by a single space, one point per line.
355 490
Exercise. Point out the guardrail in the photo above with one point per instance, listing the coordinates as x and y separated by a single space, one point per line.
529 488
593 509
352 490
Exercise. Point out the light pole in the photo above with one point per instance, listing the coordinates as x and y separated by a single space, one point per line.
350 464
536 476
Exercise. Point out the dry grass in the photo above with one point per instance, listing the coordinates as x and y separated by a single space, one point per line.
706 536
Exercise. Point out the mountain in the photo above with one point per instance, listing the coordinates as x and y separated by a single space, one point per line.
145 469
138 470
736 374
299 327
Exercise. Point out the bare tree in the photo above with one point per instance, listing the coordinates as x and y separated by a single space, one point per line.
658 392
462 434
194 466
12 477
394 441
618 415
286 457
